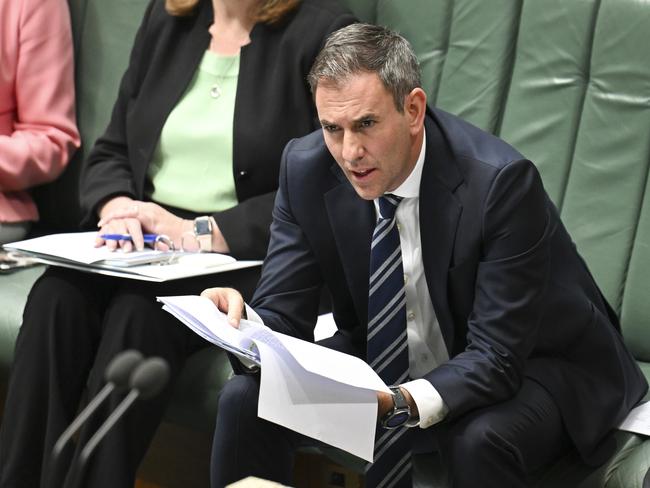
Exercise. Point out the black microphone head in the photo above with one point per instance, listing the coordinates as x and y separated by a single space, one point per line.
150 377
121 366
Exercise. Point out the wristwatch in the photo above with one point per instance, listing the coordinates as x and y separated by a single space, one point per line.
401 412
203 233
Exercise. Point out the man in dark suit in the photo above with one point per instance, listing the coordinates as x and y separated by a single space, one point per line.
513 357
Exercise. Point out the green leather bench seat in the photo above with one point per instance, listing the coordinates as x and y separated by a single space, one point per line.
565 81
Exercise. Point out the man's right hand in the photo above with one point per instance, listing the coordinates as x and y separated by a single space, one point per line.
229 301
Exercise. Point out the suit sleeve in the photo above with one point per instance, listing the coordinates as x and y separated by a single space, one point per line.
45 134
511 280
288 293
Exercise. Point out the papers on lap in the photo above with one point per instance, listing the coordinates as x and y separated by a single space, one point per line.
319 392
200 315
76 250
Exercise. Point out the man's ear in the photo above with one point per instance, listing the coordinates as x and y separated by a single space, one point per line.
415 106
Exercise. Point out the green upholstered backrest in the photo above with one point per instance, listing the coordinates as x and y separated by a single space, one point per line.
103 33
104 38
567 82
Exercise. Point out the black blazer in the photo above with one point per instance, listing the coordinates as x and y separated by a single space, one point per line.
273 104
512 295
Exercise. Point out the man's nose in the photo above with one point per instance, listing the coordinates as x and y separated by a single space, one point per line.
352 148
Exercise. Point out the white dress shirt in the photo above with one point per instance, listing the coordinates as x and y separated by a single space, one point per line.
426 346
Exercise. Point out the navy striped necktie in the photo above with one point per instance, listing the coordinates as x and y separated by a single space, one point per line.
387 343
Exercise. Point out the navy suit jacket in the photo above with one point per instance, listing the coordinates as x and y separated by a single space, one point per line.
512 296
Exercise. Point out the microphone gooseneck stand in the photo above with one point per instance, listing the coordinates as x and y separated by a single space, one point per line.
117 376
146 381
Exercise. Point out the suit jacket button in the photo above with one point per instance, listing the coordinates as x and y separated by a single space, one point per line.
243 174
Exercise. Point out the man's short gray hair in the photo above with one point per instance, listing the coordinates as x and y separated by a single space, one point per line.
359 48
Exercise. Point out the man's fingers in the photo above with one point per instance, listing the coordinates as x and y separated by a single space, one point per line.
229 301
235 308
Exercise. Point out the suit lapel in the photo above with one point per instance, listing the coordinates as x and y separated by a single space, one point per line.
440 211
352 220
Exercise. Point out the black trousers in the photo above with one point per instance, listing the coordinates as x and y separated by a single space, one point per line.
498 446
74 323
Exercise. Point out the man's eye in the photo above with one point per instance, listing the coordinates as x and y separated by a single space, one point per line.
330 128
365 124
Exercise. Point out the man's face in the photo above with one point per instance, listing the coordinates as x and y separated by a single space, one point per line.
375 145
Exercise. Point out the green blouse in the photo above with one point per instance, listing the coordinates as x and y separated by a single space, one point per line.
192 164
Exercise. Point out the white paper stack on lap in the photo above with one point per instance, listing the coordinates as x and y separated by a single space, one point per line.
319 392
77 250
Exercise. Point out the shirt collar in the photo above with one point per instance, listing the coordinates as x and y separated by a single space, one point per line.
410 188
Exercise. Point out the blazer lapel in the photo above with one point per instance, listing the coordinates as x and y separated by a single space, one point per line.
440 211
352 220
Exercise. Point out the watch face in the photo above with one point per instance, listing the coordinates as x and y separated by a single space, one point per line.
398 419
202 226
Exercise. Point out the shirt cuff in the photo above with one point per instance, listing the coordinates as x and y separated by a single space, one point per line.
431 407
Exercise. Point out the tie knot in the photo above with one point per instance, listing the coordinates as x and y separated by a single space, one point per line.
388 205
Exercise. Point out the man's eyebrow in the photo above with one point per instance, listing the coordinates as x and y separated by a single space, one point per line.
364 117
356 121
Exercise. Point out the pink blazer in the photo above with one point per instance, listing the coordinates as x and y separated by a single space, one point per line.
38 133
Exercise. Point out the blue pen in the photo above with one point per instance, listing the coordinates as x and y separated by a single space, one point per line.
148 238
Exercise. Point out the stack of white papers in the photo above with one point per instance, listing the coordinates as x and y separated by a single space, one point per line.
319 392
77 250
200 315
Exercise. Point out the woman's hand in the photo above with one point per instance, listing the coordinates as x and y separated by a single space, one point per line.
118 226
123 215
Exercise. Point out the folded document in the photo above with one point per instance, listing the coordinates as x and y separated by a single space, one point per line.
319 392
77 250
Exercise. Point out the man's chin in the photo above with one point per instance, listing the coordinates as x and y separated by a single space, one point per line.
367 193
